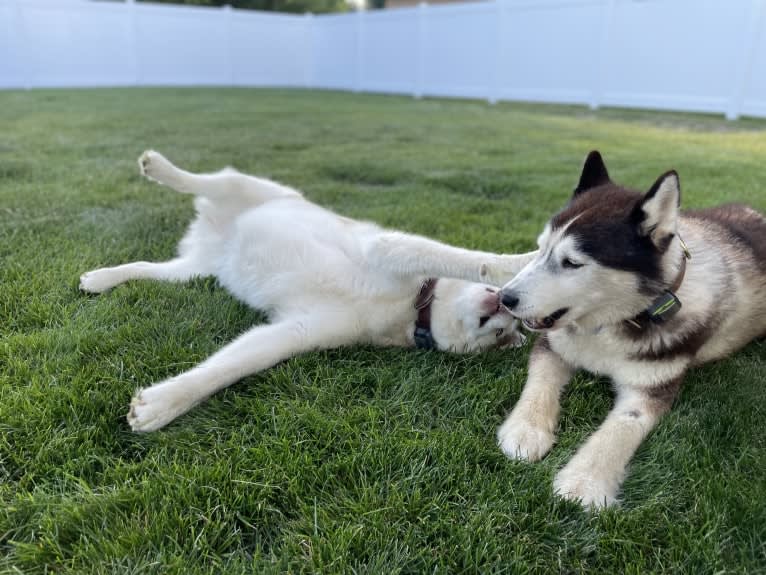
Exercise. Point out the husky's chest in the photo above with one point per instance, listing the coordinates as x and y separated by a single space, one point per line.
607 351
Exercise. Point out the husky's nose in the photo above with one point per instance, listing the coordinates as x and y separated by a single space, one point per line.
510 300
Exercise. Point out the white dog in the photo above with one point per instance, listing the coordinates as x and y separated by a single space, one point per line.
325 281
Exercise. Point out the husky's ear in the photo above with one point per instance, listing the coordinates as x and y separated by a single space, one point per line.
657 212
593 173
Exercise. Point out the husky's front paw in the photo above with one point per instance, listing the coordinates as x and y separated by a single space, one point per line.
151 409
582 485
98 281
519 439
154 166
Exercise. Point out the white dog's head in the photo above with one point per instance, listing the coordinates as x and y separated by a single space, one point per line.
468 317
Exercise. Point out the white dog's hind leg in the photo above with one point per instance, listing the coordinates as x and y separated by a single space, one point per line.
100 280
409 255
594 475
257 349
227 184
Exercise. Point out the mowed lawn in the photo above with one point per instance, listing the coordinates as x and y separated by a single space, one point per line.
356 460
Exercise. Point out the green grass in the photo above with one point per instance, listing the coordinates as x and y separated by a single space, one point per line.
354 460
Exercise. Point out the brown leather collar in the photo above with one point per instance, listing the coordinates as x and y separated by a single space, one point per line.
667 305
423 337
679 277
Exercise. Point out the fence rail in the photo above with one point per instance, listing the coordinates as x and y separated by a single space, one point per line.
694 55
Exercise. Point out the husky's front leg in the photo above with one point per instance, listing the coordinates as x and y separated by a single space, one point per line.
257 349
529 431
594 475
409 255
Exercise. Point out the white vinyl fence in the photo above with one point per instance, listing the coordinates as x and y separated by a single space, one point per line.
695 55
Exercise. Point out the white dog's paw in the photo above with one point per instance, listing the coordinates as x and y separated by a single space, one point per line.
154 166
151 409
518 339
490 275
582 486
519 439
98 281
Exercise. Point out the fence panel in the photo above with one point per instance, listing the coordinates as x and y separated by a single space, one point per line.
753 86
678 54
388 59
73 44
333 51
459 50
696 55
549 50
181 46
13 61
269 49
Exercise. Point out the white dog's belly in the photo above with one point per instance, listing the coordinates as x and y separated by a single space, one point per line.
290 257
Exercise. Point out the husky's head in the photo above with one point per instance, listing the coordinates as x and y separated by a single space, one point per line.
604 258
468 317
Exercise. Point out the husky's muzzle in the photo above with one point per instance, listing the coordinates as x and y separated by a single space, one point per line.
511 301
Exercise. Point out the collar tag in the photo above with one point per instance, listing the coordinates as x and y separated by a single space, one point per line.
684 248
664 307
424 339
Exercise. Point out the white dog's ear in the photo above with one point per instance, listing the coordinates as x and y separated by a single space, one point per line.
593 174
657 213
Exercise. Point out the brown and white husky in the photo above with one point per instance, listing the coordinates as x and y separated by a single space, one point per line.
626 285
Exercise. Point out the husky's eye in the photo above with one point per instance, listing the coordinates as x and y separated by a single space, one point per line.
482 320
567 263
499 331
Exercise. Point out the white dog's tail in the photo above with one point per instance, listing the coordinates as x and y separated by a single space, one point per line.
225 186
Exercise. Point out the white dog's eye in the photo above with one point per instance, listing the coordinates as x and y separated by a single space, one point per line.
567 263
499 331
482 320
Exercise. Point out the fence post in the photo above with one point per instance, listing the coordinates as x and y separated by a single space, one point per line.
359 63
421 50
601 70
131 7
496 69
308 76
744 67
227 15
26 68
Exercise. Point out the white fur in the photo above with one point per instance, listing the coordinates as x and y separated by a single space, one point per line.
325 280
529 432
723 297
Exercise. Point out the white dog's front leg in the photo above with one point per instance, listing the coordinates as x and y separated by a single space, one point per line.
529 431
409 255
594 475
257 349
